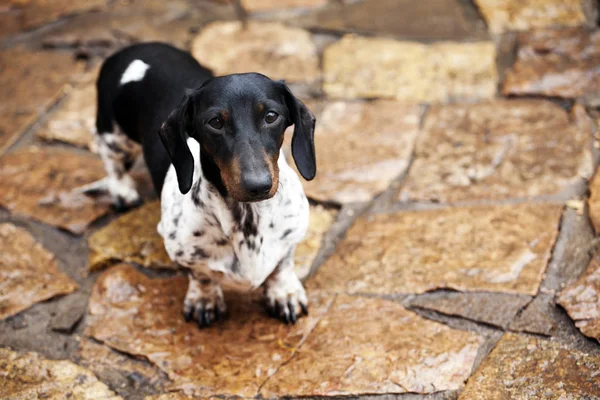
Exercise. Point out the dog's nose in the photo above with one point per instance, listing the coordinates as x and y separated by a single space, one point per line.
257 184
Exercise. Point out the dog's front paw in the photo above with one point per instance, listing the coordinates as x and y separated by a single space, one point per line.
285 297
204 302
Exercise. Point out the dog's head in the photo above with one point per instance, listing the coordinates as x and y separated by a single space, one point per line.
239 121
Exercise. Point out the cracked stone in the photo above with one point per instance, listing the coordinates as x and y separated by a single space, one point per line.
272 49
594 202
361 168
358 67
530 368
352 352
30 376
28 272
269 5
320 221
537 317
143 317
485 248
34 13
481 307
31 90
499 150
581 299
40 183
560 63
522 15
431 20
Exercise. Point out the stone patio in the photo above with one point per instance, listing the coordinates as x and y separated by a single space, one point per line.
452 250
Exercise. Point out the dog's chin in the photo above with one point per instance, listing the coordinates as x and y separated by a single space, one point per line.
246 198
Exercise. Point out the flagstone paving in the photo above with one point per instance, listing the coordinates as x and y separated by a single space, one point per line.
452 249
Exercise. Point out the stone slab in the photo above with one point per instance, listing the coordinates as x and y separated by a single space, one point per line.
40 182
359 67
559 63
143 317
531 368
498 150
373 143
522 15
352 351
581 299
270 48
594 202
321 220
496 309
486 248
28 272
31 89
34 13
30 376
274 5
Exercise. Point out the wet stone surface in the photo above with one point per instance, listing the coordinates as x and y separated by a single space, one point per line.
28 272
40 183
498 150
361 169
561 63
498 248
530 368
29 376
126 313
272 49
350 352
358 67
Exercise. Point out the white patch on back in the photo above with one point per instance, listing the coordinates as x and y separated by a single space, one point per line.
135 72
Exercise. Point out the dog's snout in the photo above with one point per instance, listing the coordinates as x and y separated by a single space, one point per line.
257 184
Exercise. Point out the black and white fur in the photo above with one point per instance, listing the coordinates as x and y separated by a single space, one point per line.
232 209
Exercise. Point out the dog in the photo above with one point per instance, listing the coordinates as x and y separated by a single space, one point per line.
232 209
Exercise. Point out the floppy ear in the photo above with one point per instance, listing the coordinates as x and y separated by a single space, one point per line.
303 141
173 136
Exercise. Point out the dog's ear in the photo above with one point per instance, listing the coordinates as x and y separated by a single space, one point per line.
303 141
173 135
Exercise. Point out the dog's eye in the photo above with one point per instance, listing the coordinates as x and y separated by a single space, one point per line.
271 117
216 123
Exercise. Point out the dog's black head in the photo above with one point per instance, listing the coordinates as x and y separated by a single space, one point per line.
239 121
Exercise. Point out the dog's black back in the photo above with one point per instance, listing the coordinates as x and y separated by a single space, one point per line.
140 107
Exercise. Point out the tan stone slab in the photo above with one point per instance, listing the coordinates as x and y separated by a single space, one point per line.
358 67
498 150
30 376
143 317
372 142
581 299
269 48
370 346
31 89
28 272
321 220
75 120
269 5
530 368
39 183
491 248
561 63
34 13
521 15
594 202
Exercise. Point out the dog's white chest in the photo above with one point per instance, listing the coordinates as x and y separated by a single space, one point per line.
244 242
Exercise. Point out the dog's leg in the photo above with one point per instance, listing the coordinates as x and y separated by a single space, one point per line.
204 300
118 153
285 297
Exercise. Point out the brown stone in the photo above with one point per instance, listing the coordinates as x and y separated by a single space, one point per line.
496 309
34 13
269 5
321 220
40 183
485 248
594 202
498 150
31 89
74 121
373 142
561 63
523 15
368 346
531 368
30 376
269 48
358 67
581 299
143 317
28 272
